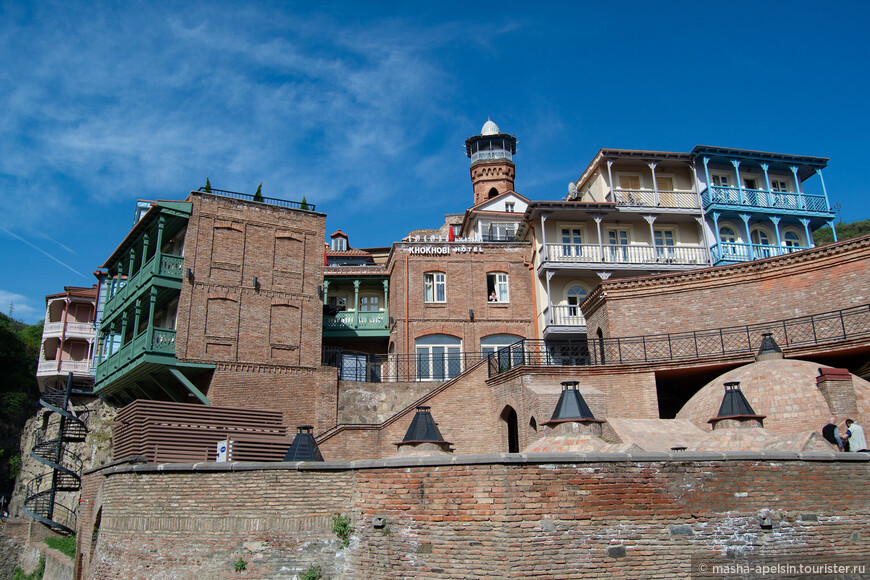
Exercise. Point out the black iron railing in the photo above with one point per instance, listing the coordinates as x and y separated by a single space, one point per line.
267 200
386 368
40 500
821 328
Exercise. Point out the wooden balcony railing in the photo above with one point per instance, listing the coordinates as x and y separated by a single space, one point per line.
763 198
625 254
647 198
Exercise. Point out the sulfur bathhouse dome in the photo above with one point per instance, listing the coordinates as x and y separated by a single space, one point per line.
490 128
784 390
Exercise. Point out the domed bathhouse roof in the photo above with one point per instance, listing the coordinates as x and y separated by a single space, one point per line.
785 390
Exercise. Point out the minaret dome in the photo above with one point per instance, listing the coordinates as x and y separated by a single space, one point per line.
492 166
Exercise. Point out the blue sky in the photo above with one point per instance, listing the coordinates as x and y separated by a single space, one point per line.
364 108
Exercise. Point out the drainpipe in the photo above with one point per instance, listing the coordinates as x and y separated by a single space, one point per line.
531 267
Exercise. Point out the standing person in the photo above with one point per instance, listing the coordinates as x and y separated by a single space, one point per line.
855 436
832 434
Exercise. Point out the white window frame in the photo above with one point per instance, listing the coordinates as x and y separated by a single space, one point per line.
509 206
779 185
432 283
571 248
365 302
500 284
339 244
718 177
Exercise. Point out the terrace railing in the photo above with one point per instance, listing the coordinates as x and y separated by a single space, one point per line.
828 327
740 252
647 198
625 254
266 200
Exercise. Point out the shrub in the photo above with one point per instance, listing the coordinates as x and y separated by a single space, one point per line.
64 544
342 529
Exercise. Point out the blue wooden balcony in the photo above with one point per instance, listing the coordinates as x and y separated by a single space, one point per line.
741 199
354 323
733 252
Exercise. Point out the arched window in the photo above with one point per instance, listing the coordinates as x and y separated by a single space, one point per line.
492 193
727 235
792 239
509 418
574 296
761 242
438 357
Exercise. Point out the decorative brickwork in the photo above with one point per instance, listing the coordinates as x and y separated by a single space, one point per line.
772 289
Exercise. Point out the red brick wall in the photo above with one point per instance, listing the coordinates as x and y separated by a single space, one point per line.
827 278
221 315
555 516
466 290
264 340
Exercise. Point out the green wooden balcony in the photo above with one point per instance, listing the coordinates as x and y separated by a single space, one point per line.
351 323
162 269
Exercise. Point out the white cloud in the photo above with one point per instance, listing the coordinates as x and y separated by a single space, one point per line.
20 306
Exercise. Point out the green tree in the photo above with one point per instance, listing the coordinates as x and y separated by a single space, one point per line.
207 185
259 195
304 204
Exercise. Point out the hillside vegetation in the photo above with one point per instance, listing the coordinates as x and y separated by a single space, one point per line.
850 230
19 392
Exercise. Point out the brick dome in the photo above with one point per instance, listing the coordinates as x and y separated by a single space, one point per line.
784 390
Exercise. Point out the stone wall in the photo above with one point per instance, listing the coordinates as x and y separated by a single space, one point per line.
553 515
830 277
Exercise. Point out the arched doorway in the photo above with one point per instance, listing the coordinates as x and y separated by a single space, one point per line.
509 418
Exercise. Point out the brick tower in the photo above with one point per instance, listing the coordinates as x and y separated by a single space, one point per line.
492 168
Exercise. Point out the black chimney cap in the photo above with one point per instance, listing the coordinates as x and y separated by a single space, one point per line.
768 344
571 406
304 447
734 403
423 428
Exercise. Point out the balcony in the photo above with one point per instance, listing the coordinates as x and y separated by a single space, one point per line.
731 252
563 319
166 267
50 367
763 199
351 323
597 254
156 346
647 198
73 329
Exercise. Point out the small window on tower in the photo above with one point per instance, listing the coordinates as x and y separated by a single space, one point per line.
493 192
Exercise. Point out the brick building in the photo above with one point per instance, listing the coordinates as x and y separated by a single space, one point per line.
215 299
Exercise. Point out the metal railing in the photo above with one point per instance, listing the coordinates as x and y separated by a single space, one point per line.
386 368
625 254
837 325
763 198
266 200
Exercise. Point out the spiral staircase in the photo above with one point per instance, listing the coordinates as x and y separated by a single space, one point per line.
41 501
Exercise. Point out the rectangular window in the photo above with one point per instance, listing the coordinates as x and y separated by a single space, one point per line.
572 238
435 287
720 180
497 287
665 183
339 303
618 242
509 206
339 244
629 182
778 185
664 241
369 304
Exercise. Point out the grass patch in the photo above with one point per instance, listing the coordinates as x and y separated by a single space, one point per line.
63 544
35 575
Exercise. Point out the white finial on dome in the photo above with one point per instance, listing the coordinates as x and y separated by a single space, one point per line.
489 128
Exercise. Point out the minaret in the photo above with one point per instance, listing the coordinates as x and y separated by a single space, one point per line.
492 168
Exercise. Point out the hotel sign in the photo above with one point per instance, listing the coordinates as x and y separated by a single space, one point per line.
445 249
